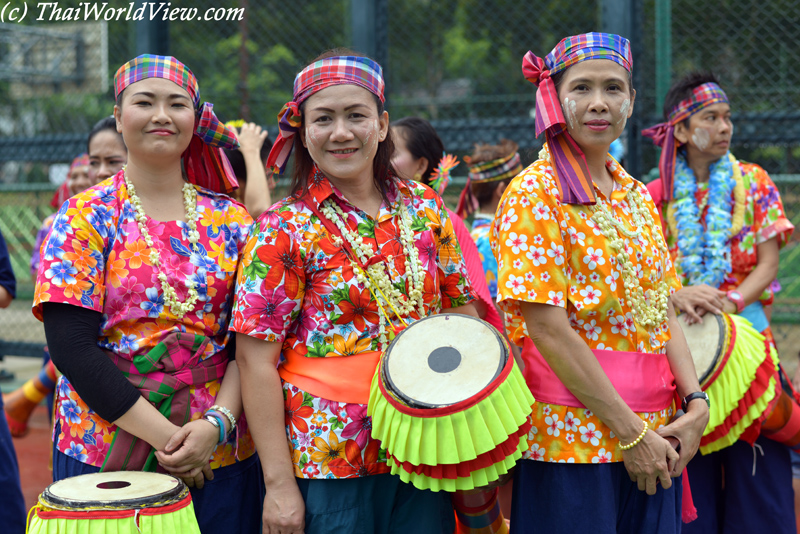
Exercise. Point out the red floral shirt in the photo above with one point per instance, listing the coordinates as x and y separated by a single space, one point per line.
297 288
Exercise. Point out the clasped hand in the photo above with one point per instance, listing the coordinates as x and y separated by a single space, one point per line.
187 453
696 301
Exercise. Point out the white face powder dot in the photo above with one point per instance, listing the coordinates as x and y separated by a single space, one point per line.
571 111
626 106
701 138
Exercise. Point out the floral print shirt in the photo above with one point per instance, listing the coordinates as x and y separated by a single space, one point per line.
95 258
297 288
481 228
553 253
764 219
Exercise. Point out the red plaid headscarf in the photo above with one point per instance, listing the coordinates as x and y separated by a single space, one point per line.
205 163
575 182
663 134
338 70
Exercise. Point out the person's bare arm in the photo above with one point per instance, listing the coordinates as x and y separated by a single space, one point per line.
577 368
257 196
5 297
262 393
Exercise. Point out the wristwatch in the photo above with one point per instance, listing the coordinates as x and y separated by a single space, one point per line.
737 298
692 396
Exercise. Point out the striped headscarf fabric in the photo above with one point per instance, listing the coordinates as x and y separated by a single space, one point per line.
205 163
337 70
487 171
570 162
663 134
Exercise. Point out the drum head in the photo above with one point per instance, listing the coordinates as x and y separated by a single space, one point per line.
706 342
443 359
114 490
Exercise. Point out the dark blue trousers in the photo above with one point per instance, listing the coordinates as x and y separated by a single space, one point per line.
12 504
731 500
553 498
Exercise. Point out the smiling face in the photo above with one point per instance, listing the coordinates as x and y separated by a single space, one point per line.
597 101
707 133
341 130
156 119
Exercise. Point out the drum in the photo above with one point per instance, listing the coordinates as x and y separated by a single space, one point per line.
737 368
449 404
116 502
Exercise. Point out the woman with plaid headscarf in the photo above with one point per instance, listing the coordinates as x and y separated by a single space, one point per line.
134 288
584 279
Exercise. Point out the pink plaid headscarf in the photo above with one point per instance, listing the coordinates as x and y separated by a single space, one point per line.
575 181
338 70
663 134
204 160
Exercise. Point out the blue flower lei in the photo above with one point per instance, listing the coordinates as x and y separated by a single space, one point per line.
704 254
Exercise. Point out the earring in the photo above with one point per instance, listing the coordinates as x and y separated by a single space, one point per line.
417 176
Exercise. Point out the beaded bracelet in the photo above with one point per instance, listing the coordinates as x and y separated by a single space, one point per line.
216 420
227 413
637 440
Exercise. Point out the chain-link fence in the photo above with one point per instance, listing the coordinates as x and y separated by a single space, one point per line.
455 62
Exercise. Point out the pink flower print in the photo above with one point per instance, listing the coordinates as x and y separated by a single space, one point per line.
589 434
305 439
329 405
360 426
594 278
537 256
618 325
517 242
571 423
570 438
556 298
541 212
530 277
590 295
556 252
630 324
428 253
545 276
554 426
594 257
537 452
538 239
270 307
130 290
580 278
546 410
508 219
602 457
515 283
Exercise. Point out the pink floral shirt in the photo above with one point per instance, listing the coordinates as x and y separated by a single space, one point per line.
94 257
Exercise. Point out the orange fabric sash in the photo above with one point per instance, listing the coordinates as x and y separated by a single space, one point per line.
340 379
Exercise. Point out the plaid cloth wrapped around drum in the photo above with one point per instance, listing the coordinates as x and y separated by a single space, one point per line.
449 404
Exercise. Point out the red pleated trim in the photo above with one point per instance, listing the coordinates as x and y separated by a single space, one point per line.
757 389
464 469
453 408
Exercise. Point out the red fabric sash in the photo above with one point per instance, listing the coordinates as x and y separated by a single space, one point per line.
644 381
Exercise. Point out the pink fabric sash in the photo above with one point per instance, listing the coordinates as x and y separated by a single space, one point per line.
644 381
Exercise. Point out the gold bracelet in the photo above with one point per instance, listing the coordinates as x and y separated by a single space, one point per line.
637 440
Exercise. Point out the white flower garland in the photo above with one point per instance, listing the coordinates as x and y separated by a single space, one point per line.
178 309
376 277
635 297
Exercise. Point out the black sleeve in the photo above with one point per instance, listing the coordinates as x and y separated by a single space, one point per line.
72 339
7 279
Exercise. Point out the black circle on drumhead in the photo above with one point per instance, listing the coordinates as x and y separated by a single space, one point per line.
444 359
114 484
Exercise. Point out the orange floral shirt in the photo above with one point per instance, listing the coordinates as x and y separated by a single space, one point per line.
553 253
